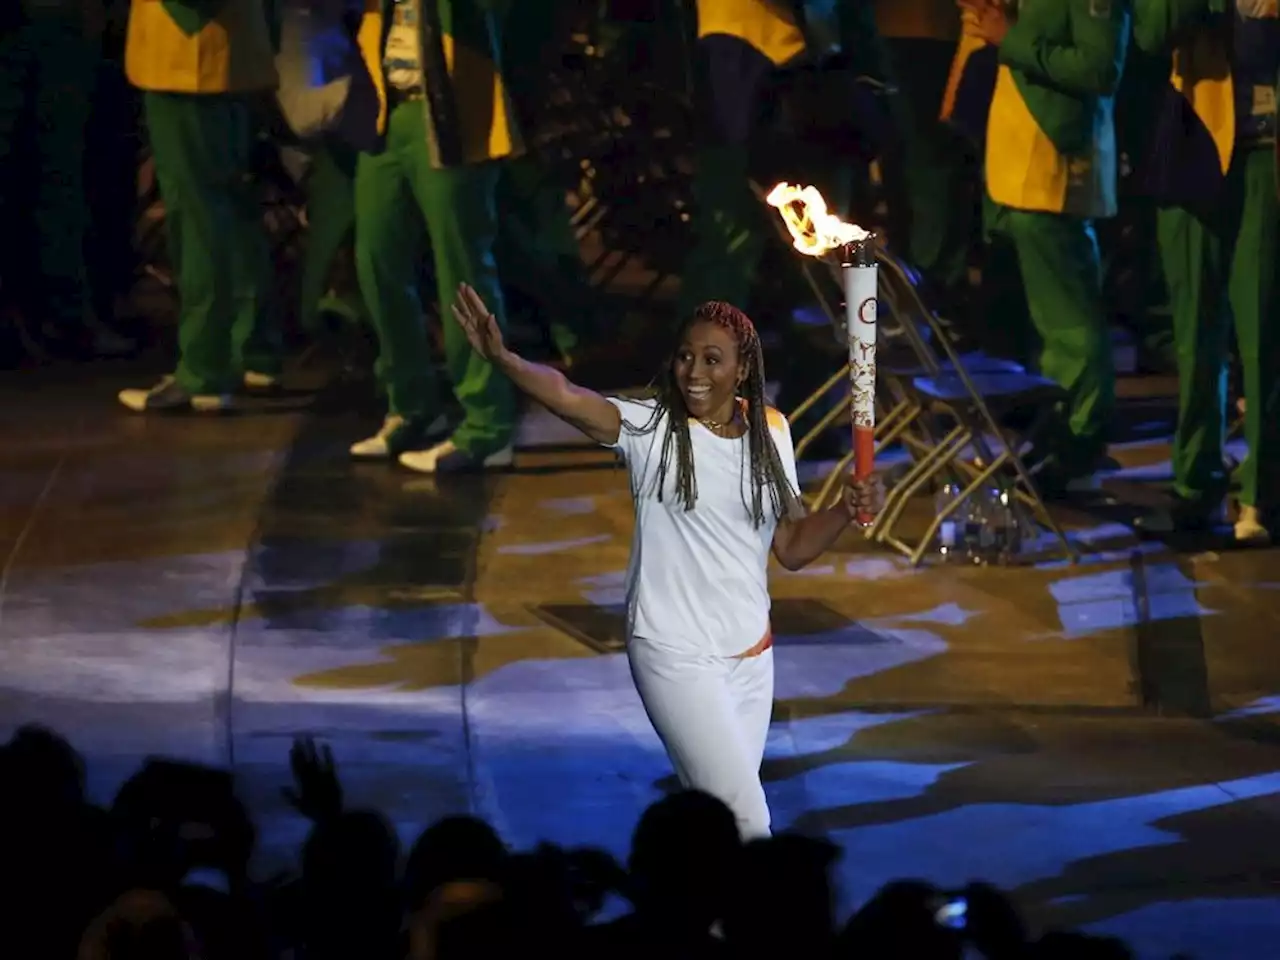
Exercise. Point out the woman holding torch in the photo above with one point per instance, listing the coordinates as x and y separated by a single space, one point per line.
713 479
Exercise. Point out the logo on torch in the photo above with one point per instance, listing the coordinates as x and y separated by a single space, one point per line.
867 311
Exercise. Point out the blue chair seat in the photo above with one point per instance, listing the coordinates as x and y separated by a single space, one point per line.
1005 387
976 362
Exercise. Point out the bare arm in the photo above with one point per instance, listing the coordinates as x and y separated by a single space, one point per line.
799 542
577 406
585 409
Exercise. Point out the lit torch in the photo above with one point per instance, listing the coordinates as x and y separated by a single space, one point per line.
818 233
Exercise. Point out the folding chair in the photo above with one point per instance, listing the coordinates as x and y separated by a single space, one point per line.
945 409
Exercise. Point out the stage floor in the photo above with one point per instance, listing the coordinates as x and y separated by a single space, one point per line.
1102 739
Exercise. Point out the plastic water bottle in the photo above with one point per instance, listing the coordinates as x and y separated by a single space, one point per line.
972 528
1009 537
949 539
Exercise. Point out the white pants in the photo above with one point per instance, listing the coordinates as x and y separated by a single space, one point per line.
712 714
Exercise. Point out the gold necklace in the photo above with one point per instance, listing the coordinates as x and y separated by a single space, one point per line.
714 425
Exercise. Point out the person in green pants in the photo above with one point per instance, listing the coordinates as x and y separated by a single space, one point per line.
199 64
1214 174
740 44
1050 172
446 119
331 218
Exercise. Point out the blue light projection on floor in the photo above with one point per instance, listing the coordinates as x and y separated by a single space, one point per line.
605 589
1207 929
1261 707
860 568
297 563
819 665
1013 845
1162 470
570 506
947 614
360 625
1107 601
1090 543
561 749
581 771
555 546
1099 558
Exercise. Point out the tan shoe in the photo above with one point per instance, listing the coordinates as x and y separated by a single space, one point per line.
1249 528
397 435
168 395
260 381
447 458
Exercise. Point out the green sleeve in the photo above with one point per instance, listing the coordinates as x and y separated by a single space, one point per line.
1089 64
1157 23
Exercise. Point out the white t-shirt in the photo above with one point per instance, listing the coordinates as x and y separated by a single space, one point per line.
698 579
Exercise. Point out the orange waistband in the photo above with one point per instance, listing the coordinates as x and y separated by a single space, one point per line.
760 646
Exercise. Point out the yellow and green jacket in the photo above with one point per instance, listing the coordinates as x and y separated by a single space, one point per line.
785 32
1195 135
470 117
199 46
742 41
966 99
1051 141
773 28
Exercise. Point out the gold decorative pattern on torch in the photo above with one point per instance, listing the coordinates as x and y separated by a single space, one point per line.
861 401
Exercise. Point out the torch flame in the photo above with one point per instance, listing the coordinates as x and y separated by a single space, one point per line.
814 230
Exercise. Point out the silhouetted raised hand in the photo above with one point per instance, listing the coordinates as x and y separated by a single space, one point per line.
316 791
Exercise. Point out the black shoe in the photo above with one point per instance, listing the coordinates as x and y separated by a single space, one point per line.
1183 515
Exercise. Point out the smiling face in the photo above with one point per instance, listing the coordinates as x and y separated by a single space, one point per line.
707 371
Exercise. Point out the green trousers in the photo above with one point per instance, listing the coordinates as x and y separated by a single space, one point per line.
1227 259
331 218
47 70
1059 262
217 242
395 191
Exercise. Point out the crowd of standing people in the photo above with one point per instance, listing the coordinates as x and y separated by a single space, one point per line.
1033 89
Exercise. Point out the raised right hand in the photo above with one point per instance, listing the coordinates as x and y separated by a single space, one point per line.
480 326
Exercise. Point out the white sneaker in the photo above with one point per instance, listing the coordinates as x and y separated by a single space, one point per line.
447 458
167 395
395 434
260 381
1249 528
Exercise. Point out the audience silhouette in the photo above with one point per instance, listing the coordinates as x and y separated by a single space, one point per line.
164 875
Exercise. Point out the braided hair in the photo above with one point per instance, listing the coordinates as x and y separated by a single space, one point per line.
766 470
